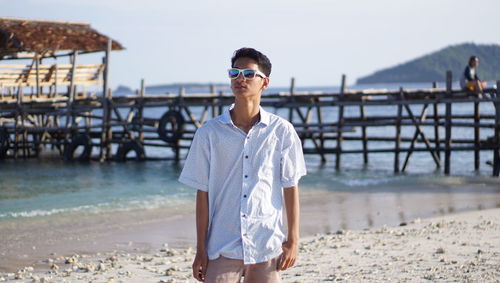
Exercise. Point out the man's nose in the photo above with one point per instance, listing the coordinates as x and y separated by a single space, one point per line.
241 77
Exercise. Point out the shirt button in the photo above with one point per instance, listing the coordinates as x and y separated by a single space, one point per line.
244 216
246 176
244 196
246 156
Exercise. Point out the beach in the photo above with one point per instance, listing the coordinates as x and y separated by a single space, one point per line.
462 247
346 237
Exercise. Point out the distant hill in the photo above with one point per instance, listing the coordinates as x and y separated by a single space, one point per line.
433 67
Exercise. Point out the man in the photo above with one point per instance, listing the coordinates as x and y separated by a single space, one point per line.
470 80
246 165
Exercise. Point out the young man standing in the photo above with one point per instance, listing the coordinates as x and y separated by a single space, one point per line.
246 165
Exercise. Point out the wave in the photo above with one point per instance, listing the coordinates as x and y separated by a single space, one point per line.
151 203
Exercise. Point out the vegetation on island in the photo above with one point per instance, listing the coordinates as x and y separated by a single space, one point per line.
433 67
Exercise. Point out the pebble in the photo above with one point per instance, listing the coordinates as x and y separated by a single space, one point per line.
440 251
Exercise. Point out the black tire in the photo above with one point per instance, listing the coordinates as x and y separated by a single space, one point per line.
79 140
4 142
175 121
128 146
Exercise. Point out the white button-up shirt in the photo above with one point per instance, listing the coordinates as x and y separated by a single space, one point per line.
244 175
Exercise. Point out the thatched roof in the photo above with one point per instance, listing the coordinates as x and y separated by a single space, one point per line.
49 37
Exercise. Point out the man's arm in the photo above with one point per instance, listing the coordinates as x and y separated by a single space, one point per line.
201 260
291 246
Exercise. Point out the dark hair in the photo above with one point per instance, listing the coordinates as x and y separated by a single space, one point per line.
472 58
261 59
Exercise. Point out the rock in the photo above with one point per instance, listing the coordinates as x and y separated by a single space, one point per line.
54 267
440 251
101 267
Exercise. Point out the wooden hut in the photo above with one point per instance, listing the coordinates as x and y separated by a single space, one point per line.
52 87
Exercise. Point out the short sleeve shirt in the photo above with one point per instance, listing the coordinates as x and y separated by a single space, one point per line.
244 175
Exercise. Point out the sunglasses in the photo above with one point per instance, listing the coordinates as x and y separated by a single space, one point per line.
248 74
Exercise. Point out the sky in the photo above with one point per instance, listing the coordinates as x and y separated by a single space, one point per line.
314 41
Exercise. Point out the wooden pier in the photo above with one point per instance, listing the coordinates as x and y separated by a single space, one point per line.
49 107
88 127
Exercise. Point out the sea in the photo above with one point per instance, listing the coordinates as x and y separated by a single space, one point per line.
46 188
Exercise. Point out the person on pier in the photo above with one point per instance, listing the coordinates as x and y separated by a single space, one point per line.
470 80
245 165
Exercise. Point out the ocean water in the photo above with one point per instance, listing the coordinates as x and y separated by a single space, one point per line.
49 187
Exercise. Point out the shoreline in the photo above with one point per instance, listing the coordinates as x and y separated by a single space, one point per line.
461 246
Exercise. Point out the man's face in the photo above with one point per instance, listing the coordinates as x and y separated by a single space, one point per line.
242 86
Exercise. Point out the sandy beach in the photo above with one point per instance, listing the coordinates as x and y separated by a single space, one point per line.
461 247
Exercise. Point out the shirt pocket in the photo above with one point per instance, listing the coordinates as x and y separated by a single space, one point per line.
267 157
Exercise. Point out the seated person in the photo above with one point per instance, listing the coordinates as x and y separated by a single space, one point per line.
470 80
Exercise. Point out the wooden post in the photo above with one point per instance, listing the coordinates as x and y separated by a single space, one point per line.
398 131
140 111
476 135
219 102
69 116
106 135
363 132
37 64
447 152
496 139
319 113
56 77
292 92
213 93
340 123
180 103
436 125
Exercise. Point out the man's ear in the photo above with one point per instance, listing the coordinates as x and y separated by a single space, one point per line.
265 83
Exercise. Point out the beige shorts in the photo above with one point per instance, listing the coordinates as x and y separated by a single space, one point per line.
228 270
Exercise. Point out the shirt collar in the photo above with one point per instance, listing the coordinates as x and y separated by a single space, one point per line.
265 116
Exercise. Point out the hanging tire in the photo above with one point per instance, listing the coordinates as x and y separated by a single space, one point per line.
175 123
4 142
128 146
78 141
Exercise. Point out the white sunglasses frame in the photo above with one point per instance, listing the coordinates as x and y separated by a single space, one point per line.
257 72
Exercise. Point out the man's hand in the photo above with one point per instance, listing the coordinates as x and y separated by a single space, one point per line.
200 266
289 255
